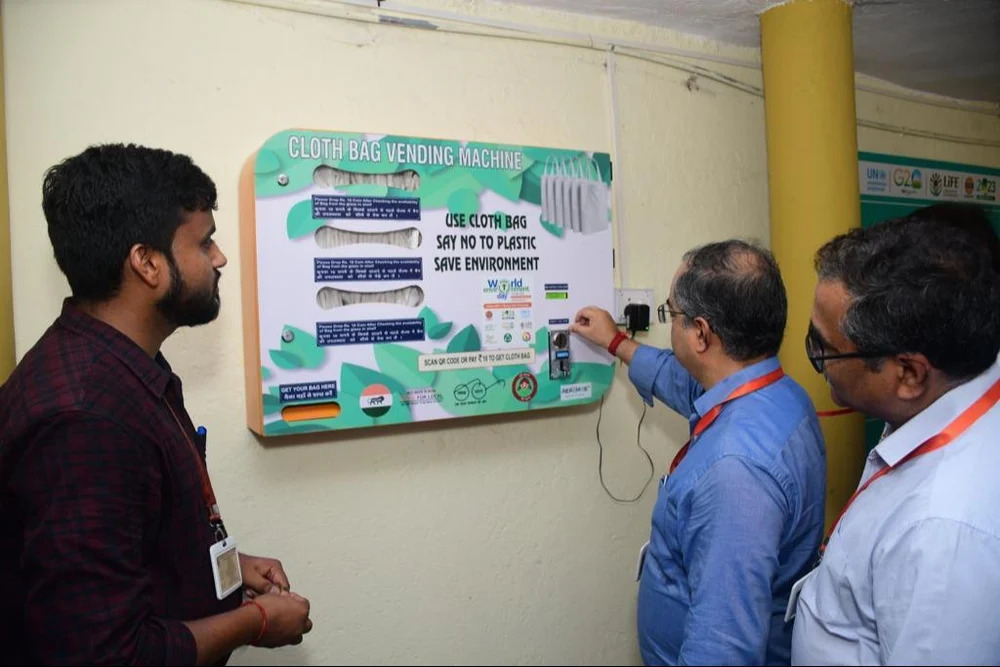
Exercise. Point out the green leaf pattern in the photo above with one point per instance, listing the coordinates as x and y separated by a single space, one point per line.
466 340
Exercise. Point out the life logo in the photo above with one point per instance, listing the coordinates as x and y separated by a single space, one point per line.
376 400
908 181
936 184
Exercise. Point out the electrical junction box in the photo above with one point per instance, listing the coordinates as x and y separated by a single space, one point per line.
392 279
625 296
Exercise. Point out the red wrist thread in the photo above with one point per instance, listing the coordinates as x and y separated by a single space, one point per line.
263 620
615 342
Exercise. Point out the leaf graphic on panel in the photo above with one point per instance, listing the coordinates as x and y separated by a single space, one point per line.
603 164
548 390
271 403
466 340
436 189
436 330
541 344
550 228
465 200
354 379
500 182
286 360
400 362
295 177
302 344
429 317
439 331
531 184
300 220
267 162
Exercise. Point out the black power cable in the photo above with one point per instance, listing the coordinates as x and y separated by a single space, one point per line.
638 442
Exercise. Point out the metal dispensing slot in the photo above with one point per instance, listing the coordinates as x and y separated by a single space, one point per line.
559 357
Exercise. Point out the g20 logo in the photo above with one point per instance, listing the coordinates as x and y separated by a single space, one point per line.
907 178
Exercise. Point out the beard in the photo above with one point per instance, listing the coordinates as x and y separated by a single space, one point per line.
184 307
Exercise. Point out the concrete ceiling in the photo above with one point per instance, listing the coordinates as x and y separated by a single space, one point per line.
947 47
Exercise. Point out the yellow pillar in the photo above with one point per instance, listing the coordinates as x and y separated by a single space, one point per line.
6 296
812 159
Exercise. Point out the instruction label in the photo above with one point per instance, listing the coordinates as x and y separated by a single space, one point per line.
347 207
328 269
368 331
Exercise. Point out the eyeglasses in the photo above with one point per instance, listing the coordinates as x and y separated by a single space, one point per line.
814 351
664 309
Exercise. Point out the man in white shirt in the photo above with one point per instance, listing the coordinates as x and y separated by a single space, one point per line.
906 327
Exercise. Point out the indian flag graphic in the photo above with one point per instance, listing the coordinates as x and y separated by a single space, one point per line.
376 399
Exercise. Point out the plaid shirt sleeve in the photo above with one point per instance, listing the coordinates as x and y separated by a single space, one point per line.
84 485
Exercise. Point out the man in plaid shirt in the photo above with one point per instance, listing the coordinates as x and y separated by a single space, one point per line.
107 514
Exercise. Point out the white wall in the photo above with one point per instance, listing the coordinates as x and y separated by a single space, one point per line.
926 121
479 541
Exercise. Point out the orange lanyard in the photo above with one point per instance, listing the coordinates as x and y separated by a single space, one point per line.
834 413
214 518
711 415
934 443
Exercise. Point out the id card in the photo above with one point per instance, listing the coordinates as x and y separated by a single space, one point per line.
793 597
226 567
641 561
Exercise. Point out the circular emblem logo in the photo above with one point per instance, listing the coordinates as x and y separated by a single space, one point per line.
376 399
524 386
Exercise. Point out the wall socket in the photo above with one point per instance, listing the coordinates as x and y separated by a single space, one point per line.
625 296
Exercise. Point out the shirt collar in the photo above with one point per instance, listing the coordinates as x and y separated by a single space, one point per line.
155 373
928 423
720 391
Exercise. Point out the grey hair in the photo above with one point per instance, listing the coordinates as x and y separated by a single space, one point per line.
736 286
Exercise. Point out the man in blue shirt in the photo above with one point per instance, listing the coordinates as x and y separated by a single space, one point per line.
740 518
